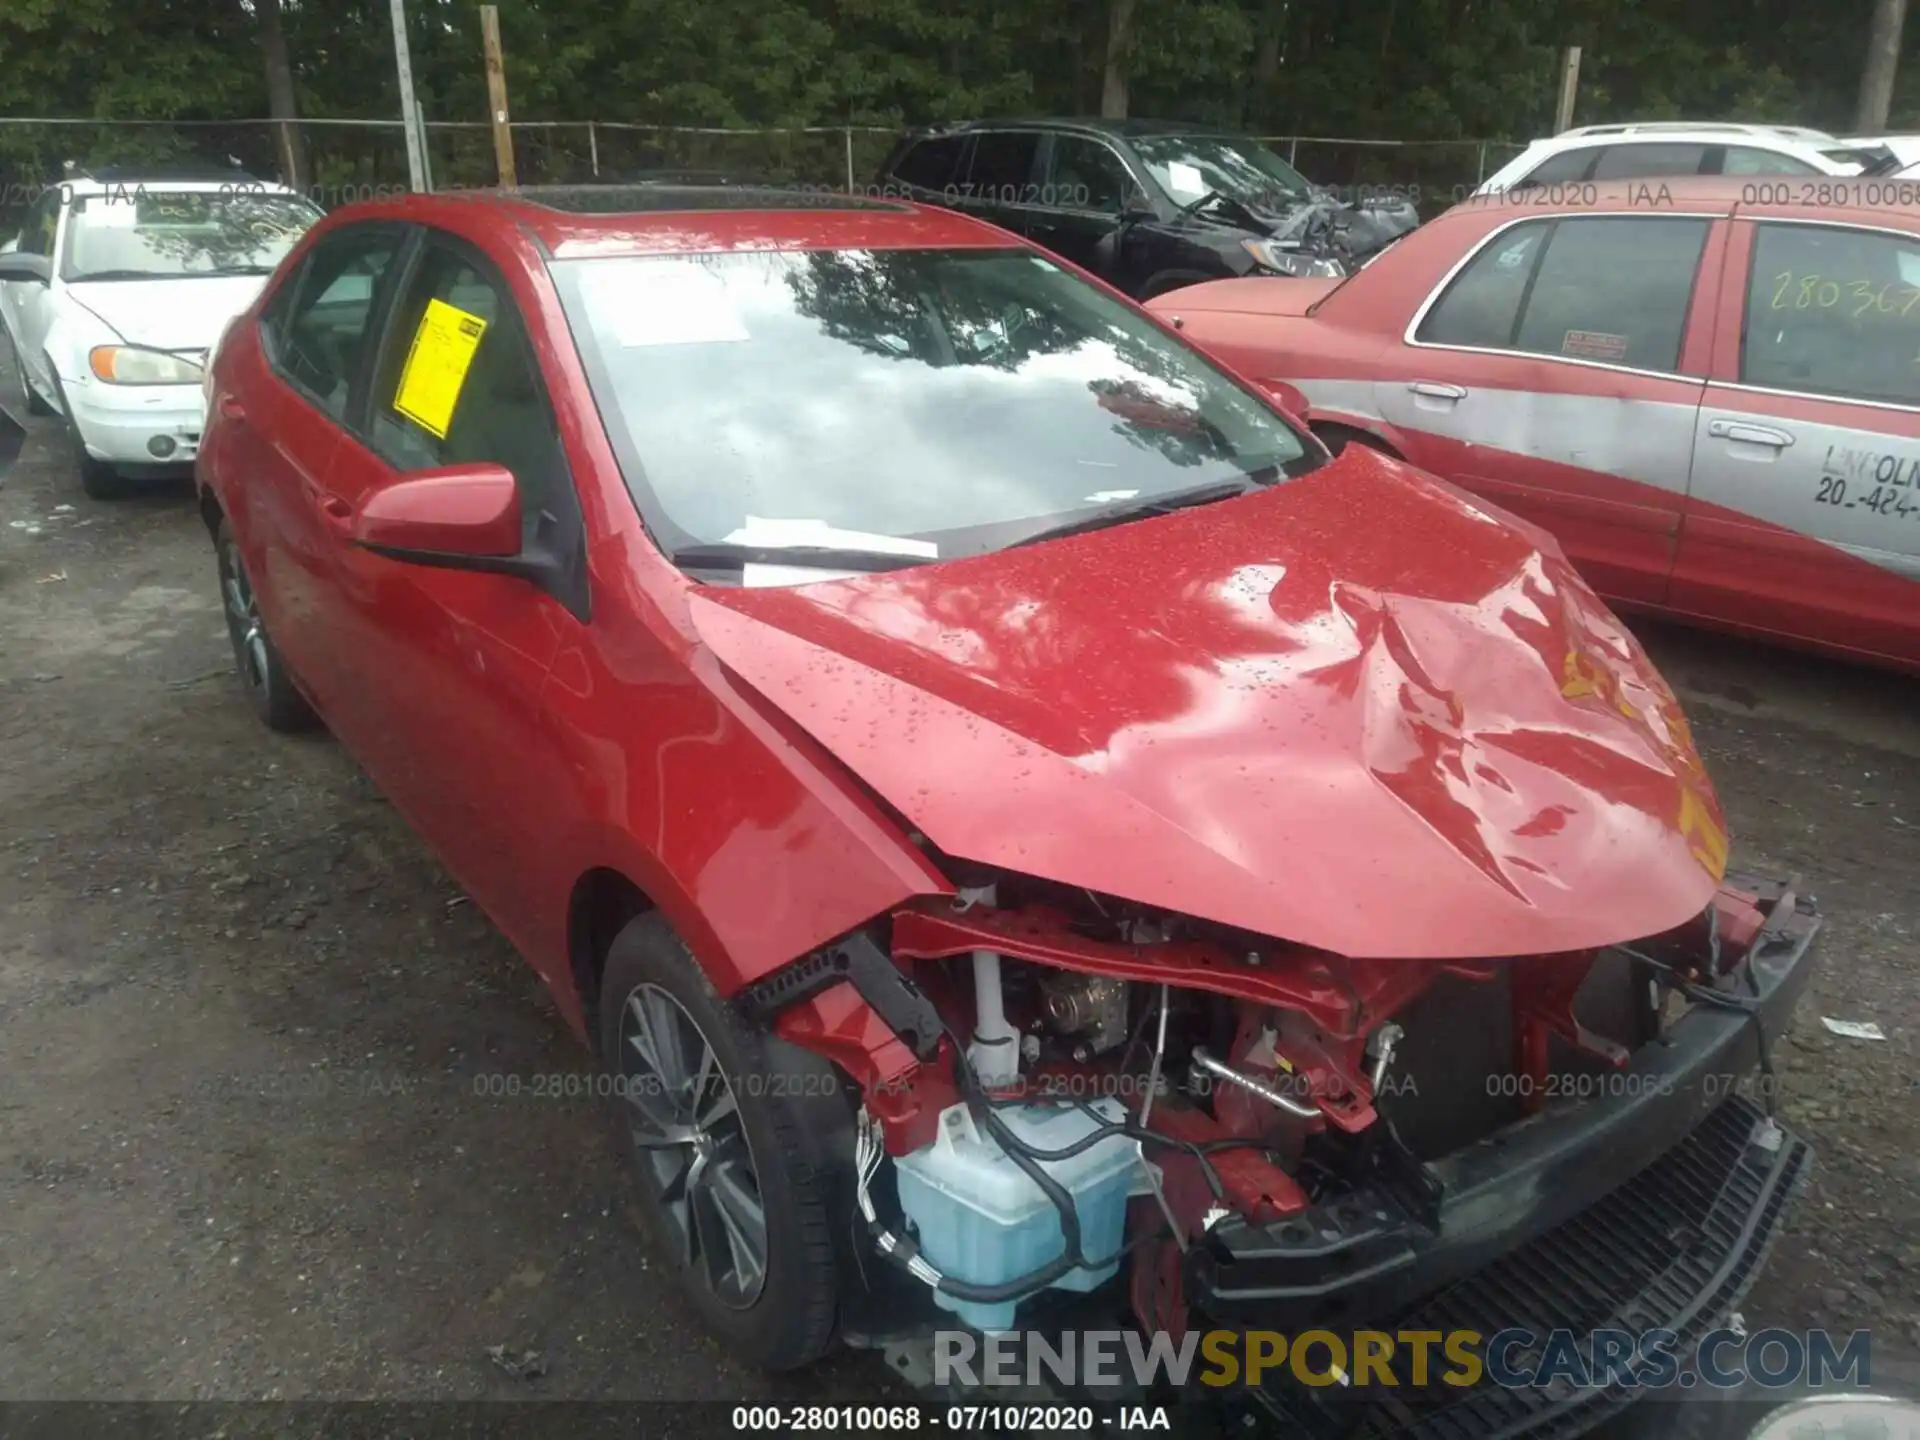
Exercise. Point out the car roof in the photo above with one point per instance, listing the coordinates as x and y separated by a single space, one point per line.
571 222
1700 127
1088 125
1837 195
80 186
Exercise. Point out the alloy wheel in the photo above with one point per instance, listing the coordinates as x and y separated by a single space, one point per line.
686 1124
243 620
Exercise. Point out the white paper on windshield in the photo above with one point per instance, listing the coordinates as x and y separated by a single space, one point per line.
663 303
766 577
768 534
1186 179
1909 263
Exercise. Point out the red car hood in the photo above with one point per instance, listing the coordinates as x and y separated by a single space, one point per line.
1251 295
1353 711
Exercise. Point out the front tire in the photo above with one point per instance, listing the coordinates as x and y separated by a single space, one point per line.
730 1133
99 480
263 675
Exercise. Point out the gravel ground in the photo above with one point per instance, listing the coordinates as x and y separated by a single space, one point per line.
248 1025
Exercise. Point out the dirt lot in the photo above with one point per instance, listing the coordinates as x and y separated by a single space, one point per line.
246 1019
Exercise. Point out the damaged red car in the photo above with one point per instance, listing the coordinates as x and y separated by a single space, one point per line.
1029 836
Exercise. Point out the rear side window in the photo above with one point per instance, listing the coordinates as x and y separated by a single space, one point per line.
1745 160
1002 164
325 335
1614 288
929 165
1834 311
1632 162
1608 288
1559 169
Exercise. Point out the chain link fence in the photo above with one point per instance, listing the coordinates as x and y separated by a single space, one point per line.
352 160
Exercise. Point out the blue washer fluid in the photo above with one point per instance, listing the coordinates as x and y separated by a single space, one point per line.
979 1217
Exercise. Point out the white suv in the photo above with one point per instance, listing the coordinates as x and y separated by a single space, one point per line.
1664 149
115 290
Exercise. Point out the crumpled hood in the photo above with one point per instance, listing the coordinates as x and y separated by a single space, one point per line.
1326 223
177 313
1354 711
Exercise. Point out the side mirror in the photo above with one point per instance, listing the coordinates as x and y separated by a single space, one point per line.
34 269
459 517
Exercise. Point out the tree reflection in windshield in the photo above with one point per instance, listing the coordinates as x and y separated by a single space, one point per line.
965 397
173 233
981 316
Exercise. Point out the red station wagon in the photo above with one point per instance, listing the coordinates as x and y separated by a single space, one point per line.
1708 390
1029 836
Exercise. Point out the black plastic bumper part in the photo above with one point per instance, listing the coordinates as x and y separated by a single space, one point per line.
1650 1206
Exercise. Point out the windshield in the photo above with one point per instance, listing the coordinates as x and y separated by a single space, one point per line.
143 234
965 399
1189 166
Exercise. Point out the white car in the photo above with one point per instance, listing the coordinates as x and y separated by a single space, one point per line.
115 290
1658 149
1905 149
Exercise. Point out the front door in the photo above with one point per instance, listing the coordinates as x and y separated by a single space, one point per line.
1549 375
1077 215
29 305
1805 516
450 664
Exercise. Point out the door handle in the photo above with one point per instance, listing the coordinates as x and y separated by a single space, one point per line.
1749 433
1434 390
232 409
330 505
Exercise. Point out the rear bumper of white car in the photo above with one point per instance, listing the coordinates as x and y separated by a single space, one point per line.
138 425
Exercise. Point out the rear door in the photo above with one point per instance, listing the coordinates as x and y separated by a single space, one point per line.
1805 514
1077 211
1002 178
1552 372
279 437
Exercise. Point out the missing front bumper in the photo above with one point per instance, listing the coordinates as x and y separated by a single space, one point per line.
1651 1206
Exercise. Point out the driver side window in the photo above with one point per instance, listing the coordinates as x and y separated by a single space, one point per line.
1085 175
458 383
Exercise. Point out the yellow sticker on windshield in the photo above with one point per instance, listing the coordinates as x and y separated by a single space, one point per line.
437 366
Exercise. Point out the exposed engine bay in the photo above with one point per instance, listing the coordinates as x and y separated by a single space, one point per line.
1061 1088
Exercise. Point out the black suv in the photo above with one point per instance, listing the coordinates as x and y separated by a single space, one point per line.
1146 205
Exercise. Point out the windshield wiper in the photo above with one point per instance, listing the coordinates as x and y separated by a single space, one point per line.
1142 509
725 555
236 270
116 275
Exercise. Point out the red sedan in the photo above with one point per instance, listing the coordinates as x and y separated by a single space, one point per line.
1706 389
943 740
